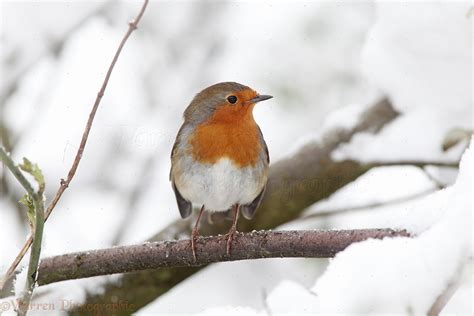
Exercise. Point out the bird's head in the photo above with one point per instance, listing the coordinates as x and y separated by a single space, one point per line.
225 101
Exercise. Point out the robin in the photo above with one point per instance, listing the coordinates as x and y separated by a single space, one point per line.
220 160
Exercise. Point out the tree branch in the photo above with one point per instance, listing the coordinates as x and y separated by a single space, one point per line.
65 183
415 163
375 205
253 245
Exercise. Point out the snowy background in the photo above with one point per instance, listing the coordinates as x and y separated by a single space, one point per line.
324 62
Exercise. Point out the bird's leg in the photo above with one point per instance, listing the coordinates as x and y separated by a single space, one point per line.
195 233
233 228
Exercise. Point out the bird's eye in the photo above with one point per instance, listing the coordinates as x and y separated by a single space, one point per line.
232 99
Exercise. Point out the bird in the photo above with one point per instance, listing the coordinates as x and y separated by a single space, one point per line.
220 160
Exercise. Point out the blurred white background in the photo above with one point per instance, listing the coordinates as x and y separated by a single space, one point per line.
320 60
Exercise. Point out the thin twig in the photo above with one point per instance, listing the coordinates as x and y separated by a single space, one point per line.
432 178
253 245
346 210
266 308
65 183
415 163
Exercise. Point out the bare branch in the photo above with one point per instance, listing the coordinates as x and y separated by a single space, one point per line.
432 178
415 163
357 208
65 183
253 245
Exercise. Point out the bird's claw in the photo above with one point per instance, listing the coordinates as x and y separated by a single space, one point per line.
230 237
193 247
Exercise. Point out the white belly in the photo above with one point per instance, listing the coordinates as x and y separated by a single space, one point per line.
219 186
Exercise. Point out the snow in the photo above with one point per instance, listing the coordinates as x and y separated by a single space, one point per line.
397 275
344 118
11 232
397 203
414 65
415 135
23 46
239 284
302 300
20 281
74 221
404 274
418 54
412 61
232 311
369 189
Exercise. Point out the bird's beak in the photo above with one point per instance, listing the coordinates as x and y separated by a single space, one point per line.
260 98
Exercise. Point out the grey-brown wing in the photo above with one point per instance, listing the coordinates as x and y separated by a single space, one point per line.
265 148
185 207
248 210
174 149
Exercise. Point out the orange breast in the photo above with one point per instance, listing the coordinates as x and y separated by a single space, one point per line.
231 132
